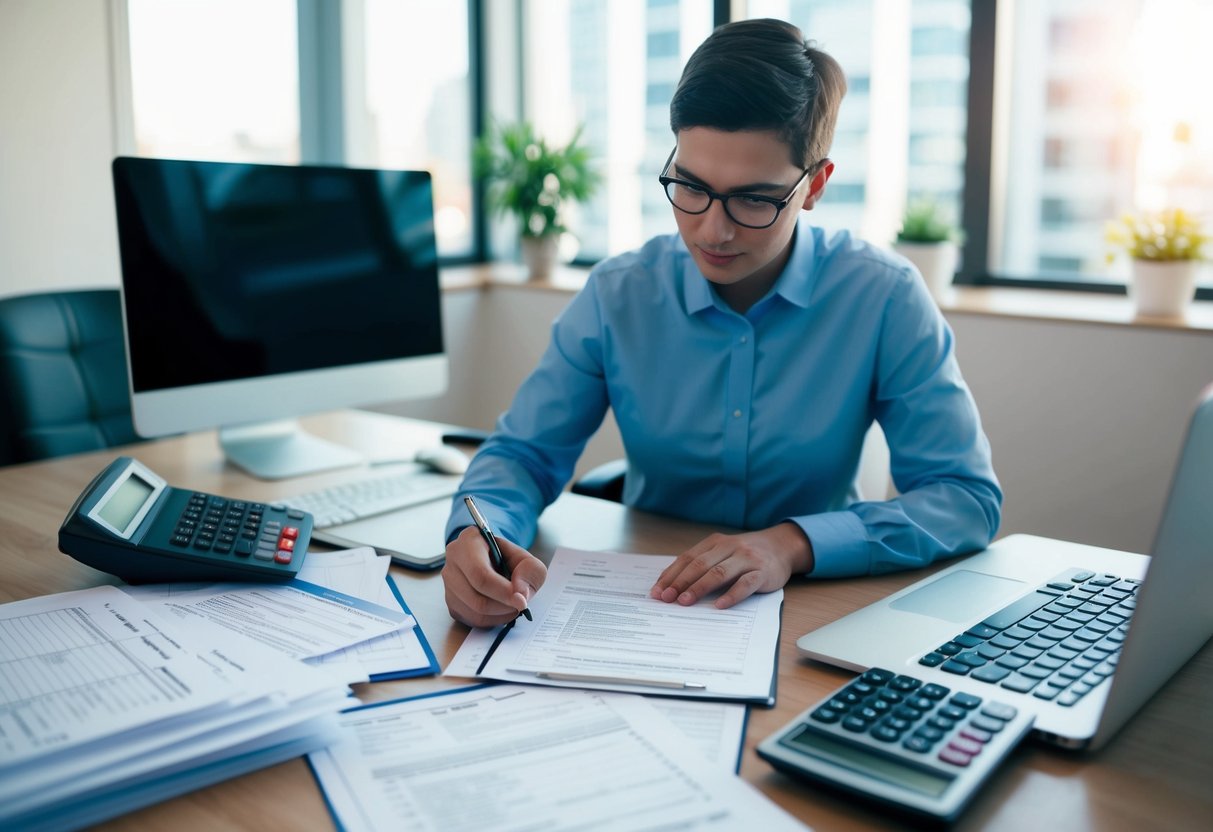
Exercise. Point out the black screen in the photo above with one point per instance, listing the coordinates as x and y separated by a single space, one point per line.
235 270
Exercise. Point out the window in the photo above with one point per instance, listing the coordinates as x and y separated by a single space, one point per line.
411 103
1100 121
611 68
189 104
901 129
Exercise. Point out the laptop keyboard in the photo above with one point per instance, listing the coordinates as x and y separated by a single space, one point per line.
1057 643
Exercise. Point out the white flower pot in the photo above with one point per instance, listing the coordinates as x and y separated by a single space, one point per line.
936 263
539 255
1162 288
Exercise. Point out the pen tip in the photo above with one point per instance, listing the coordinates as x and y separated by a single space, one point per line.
527 613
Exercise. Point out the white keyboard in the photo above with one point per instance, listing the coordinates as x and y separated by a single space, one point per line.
377 495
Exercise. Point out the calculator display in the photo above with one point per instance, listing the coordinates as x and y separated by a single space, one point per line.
121 506
867 762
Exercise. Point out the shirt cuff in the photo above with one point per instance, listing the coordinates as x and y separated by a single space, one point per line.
840 543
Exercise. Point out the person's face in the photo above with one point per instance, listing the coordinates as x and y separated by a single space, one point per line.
742 262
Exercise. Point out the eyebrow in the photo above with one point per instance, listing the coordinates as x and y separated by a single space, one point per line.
754 187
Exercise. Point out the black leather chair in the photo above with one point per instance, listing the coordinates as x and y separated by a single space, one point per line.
604 482
62 375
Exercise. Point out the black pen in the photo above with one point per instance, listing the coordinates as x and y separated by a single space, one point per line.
495 555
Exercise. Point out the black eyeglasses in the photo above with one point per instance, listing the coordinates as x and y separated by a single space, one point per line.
749 210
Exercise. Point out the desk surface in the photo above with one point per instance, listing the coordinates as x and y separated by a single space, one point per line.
1158 773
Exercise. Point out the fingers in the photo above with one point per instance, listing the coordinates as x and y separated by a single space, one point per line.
475 594
740 565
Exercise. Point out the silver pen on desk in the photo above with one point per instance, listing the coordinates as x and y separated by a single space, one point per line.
614 680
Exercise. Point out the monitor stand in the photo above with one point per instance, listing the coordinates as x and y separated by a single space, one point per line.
278 450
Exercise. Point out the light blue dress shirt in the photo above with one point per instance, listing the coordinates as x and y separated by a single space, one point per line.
749 420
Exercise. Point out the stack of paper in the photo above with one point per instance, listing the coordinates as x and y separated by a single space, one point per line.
107 704
342 612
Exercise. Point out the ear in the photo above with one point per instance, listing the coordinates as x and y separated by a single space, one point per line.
817 184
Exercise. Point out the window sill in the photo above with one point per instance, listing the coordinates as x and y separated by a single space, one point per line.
995 301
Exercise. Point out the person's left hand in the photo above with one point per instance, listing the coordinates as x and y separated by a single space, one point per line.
761 561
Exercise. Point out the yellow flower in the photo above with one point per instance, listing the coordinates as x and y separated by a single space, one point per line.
1170 234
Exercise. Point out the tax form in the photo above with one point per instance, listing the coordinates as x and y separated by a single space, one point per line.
298 619
512 757
596 627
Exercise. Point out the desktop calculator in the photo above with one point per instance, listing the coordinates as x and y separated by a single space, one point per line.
129 522
919 747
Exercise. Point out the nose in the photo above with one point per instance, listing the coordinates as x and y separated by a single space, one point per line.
717 227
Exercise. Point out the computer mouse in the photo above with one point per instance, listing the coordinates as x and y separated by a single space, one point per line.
443 458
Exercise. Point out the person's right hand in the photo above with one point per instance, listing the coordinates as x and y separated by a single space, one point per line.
475 593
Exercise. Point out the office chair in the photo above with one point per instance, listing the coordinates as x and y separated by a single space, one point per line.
62 375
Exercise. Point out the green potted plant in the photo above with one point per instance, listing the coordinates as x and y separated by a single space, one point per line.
534 182
1165 250
930 241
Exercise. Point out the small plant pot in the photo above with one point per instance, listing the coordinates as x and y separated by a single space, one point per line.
936 263
539 255
1162 288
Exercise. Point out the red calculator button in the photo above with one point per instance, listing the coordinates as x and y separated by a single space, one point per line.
290 532
286 543
283 556
956 758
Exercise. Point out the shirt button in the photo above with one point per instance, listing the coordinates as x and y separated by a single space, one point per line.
744 339
736 414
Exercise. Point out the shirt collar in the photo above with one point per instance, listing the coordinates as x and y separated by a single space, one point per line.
795 285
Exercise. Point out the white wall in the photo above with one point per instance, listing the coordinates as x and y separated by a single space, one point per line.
57 227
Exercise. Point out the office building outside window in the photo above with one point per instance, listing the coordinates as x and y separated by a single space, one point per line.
901 129
204 86
409 103
1101 120
611 67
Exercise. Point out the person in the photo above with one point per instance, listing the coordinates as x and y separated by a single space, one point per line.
744 359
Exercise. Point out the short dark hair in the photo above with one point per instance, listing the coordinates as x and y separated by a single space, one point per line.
762 75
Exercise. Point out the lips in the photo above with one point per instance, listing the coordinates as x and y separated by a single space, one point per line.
717 259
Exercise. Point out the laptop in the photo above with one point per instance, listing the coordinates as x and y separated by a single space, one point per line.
1078 635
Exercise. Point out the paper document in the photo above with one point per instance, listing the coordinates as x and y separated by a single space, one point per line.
106 705
510 757
596 627
298 619
363 573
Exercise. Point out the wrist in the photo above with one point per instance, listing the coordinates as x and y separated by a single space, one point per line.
798 548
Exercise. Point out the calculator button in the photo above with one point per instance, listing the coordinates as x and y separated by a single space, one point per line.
854 723
244 548
180 540
286 545
877 676
884 733
933 691
904 683
985 723
283 556
965 746
264 554
956 758
998 710
918 744
223 548
976 734
295 514
293 532
932 659
930 734
202 544
941 723
826 714
965 700
890 695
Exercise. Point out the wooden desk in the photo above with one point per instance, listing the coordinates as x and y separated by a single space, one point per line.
1157 774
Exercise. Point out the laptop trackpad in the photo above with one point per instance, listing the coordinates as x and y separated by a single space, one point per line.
959 596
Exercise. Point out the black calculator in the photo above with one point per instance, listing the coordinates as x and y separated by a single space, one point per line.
921 748
129 522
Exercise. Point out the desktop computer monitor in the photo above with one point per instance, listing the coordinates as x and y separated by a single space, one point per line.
254 294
